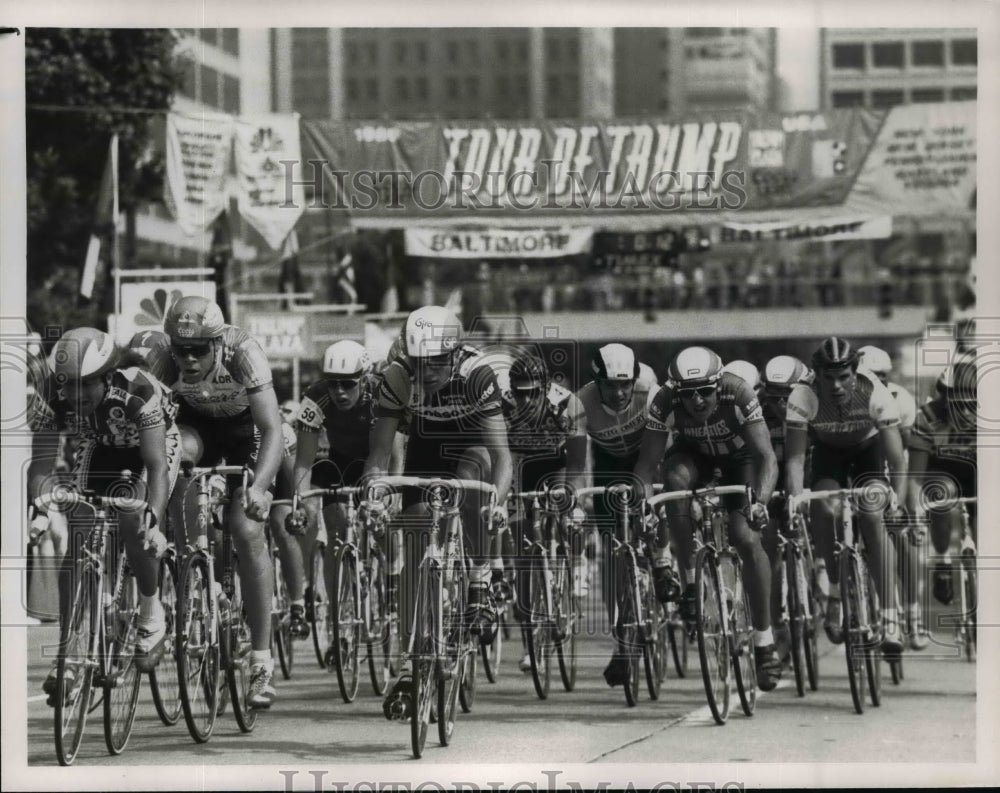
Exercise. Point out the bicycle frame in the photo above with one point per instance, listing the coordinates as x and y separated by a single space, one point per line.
965 623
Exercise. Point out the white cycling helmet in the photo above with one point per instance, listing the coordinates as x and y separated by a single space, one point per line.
432 331
782 372
745 370
615 362
694 366
875 359
83 352
346 358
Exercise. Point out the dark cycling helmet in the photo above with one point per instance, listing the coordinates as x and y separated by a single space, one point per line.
693 367
834 353
615 362
192 318
528 372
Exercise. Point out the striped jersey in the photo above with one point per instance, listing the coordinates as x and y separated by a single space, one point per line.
618 434
941 434
868 409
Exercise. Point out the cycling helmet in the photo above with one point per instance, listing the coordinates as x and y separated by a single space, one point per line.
693 367
744 370
431 331
192 318
528 372
82 353
615 362
346 359
875 360
834 353
782 372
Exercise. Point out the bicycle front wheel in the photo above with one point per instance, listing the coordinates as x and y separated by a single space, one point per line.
538 630
967 620
652 629
379 638
121 675
630 641
317 604
873 654
492 653
741 642
567 616
198 663
854 642
678 637
163 680
713 642
795 609
75 669
346 608
423 688
236 652
281 622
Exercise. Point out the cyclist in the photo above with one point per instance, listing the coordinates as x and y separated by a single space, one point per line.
124 419
449 395
228 409
746 371
780 375
943 459
540 427
341 406
717 424
854 424
878 362
612 411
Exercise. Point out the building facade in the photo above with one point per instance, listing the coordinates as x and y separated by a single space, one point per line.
881 67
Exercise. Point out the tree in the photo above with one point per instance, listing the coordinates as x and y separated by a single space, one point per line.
82 86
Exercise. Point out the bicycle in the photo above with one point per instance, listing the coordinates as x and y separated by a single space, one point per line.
799 606
637 623
213 637
443 649
282 635
862 613
358 612
553 610
98 639
722 626
965 624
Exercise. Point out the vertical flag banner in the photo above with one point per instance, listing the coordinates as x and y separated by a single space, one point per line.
107 212
198 152
265 198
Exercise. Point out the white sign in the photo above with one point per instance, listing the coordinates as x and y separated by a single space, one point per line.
145 304
198 149
280 335
497 243
856 228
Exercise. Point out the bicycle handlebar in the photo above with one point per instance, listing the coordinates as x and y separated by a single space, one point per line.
951 502
394 483
65 496
702 492
203 472
812 495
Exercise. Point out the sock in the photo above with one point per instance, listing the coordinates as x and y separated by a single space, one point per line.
689 576
913 610
661 557
763 638
299 602
262 657
835 591
890 618
149 605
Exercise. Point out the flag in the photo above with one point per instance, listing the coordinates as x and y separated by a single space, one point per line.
341 281
107 212
290 278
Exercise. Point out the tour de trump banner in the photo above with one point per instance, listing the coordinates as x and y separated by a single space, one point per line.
198 151
265 198
721 161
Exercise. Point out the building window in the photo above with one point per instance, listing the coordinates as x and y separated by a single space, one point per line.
503 49
886 98
230 94
451 89
371 89
927 95
702 33
963 94
471 50
555 50
352 52
352 89
503 86
848 56
472 87
554 87
209 35
887 55
209 86
663 43
573 49
452 49
371 50
231 41
522 50
422 88
422 51
963 52
401 52
848 98
927 53
523 86
402 89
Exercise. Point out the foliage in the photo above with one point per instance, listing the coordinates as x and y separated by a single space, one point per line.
81 86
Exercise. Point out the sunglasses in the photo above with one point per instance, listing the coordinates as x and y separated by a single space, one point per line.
288 410
343 384
197 350
702 391
777 393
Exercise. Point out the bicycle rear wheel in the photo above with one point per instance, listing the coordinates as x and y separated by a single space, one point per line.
492 653
317 603
538 630
854 643
423 688
630 641
967 620
811 624
711 627
678 637
873 654
376 612
567 616
236 653
346 609
74 671
198 662
455 649
163 680
653 657
122 676
741 642
795 609
281 622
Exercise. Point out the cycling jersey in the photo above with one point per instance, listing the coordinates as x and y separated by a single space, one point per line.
906 403
868 409
718 435
616 434
936 432
133 401
774 418
239 369
531 432
346 430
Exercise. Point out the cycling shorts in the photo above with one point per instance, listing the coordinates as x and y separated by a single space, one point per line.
862 463
734 469
962 473
336 471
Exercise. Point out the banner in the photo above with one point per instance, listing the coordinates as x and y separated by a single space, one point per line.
496 243
197 156
270 203
145 303
280 334
858 228
924 159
